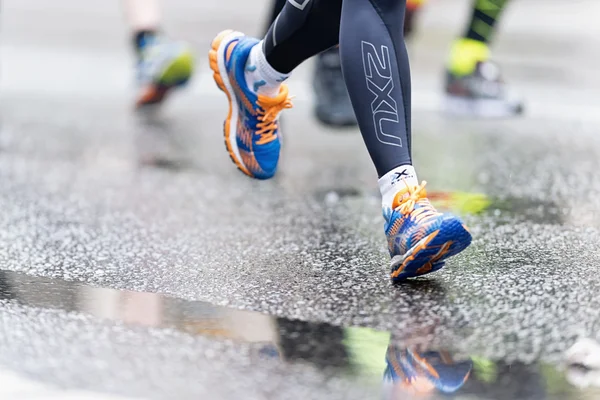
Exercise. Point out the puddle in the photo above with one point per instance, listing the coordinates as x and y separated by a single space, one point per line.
360 354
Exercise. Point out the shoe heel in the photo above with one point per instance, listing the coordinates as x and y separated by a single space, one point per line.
213 57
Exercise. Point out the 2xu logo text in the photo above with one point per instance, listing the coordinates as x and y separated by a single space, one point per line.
378 73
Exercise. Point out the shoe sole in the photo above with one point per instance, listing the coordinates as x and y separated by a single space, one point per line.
175 75
430 253
482 108
216 59
151 95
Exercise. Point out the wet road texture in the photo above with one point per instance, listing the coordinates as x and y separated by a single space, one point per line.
137 262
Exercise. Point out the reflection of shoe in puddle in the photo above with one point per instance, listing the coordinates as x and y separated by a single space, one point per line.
417 373
583 363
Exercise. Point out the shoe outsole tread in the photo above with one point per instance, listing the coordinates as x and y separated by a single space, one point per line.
430 253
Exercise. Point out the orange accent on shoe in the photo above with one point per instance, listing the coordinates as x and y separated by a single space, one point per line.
213 58
446 357
241 95
406 199
428 366
270 107
445 249
424 269
228 53
214 65
421 246
250 162
429 265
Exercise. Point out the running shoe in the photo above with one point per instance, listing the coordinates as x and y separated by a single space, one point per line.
481 93
332 102
420 238
251 129
425 372
163 66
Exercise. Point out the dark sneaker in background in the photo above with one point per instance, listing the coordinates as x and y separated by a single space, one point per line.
332 103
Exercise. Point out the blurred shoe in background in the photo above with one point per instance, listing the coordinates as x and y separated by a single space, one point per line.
480 93
162 66
473 84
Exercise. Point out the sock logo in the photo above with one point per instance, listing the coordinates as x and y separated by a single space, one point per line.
299 4
399 175
378 73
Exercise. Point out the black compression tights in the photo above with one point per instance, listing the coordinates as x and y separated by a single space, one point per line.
374 62
276 8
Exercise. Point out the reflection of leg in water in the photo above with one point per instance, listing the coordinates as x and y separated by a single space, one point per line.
316 343
6 292
504 380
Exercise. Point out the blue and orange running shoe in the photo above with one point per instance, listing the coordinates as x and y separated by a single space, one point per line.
419 237
251 129
164 65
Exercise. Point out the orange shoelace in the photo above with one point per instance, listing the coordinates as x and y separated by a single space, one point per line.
407 199
270 107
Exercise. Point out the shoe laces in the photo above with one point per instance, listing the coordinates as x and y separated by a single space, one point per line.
407 199
269 109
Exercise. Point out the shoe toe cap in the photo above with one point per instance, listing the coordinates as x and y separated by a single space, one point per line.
267 158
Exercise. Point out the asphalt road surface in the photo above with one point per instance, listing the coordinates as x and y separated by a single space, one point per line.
136 261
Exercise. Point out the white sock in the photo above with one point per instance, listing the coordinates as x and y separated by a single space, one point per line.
394 181
260 76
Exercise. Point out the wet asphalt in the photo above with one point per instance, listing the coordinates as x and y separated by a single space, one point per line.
137 261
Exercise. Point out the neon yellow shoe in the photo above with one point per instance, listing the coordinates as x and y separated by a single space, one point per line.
164 65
